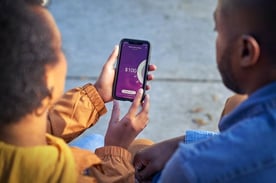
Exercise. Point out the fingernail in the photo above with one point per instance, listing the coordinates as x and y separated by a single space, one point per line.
138 166
115 102
140 90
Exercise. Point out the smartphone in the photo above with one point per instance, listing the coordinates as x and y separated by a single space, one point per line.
131 69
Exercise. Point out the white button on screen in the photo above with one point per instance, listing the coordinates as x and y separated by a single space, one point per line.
131 92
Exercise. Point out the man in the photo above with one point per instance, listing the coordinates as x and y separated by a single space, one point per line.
32 78
245 148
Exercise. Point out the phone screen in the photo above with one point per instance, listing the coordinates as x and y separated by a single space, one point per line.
131 68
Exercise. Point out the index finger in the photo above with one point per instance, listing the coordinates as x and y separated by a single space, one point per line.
152 67
136 102
146 105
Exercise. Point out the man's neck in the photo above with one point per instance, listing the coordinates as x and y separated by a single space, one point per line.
27 132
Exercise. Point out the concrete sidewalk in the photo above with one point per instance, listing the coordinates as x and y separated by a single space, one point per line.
187 92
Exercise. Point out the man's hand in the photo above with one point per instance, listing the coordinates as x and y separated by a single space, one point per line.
104 83
123 132
151 160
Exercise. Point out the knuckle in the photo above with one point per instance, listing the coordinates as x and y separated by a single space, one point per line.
128 118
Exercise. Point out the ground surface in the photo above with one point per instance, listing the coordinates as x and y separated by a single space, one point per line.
187 92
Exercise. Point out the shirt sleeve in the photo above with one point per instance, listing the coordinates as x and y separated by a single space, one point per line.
197 135
78 109
191 136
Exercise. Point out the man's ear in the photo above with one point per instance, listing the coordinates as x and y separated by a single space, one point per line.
249 51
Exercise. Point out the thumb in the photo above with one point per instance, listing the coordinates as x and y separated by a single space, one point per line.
146 172
113 56
115 115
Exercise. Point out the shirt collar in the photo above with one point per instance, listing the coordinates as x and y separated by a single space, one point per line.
250 107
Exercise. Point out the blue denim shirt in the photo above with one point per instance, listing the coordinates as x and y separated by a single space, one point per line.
244 150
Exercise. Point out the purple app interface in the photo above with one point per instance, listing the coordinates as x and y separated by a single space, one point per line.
132 67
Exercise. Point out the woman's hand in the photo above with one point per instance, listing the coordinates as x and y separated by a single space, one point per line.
104 83
123 132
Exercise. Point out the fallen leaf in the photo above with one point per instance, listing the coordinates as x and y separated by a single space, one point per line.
199 121
196 110
209 116
215 98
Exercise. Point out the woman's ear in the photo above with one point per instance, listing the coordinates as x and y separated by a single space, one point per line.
249 51
45 105
48 100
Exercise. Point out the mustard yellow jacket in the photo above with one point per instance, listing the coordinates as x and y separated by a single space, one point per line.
77 110
45 163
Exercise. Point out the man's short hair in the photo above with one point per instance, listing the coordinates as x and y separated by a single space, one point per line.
258 16
25 49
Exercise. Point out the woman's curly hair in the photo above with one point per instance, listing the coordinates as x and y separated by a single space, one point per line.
26 47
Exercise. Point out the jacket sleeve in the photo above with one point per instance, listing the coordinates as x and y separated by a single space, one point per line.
77 110
108 164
